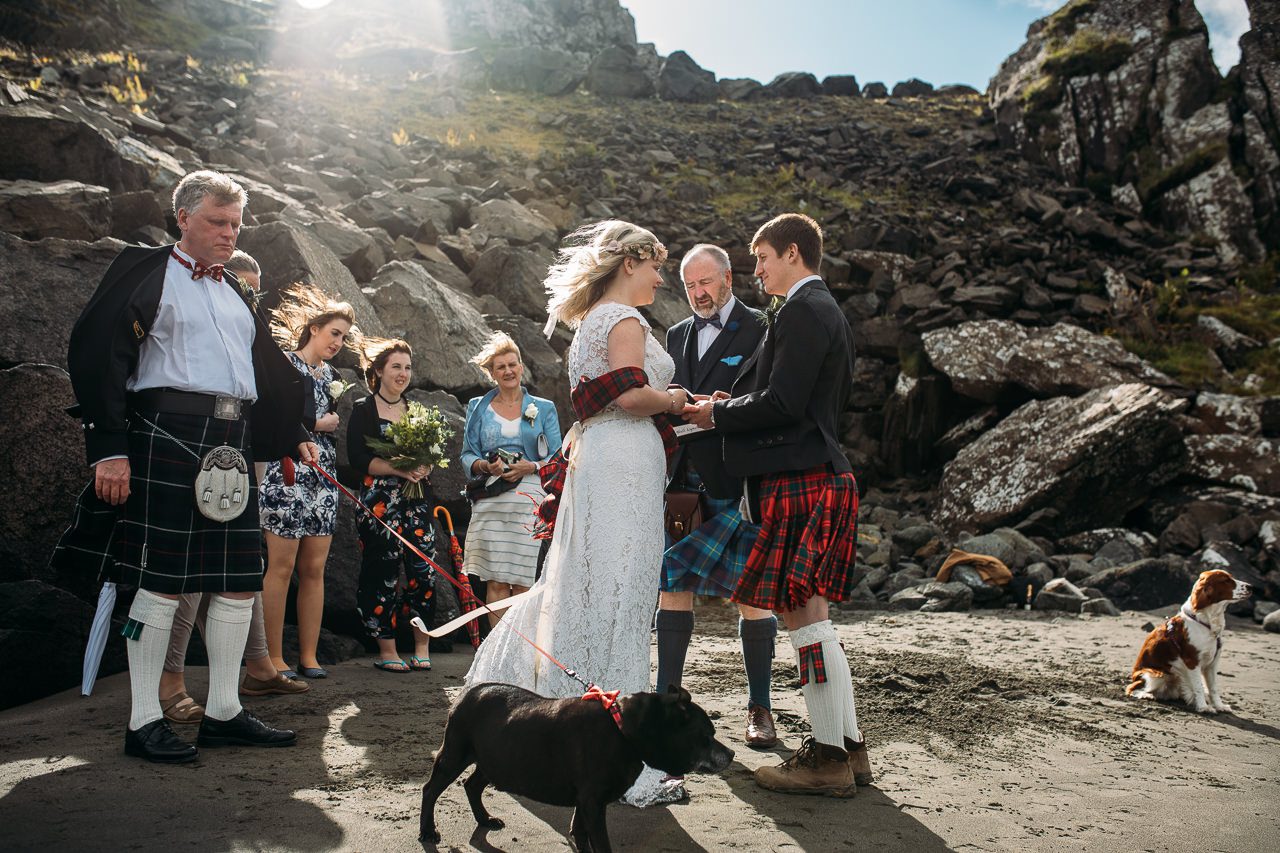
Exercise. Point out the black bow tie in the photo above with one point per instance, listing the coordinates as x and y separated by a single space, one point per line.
700 322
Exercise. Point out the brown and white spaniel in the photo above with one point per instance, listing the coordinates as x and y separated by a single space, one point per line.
1179 660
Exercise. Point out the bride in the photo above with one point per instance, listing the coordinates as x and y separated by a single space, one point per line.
592 607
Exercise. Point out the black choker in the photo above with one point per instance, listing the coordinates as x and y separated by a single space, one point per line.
389 402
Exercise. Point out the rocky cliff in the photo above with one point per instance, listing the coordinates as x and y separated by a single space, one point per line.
1072 382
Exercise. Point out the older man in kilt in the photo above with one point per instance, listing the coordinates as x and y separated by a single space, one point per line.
780 431
708 349
174 374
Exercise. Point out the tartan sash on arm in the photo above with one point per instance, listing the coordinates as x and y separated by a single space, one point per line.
590 397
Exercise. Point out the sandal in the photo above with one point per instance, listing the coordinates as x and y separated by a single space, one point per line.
181 708
418 663
393 665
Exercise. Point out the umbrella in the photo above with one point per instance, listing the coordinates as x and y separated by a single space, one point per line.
466 598
97 637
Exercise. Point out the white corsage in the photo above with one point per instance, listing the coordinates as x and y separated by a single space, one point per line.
531 413
338 387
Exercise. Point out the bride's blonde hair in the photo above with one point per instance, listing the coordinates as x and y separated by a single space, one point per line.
586 263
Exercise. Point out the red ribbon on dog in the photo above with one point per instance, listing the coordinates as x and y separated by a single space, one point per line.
609 699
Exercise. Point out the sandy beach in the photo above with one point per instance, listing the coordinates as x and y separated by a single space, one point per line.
988 731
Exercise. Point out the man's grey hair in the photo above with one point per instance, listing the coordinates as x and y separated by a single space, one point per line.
205 183
720 256
242 261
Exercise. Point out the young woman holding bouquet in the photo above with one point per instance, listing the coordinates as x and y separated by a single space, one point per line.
500 549
384 492
299 519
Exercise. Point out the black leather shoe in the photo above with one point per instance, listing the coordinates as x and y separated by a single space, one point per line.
244 729
156 742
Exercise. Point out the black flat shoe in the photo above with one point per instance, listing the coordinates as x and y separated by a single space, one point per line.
244 729
156 742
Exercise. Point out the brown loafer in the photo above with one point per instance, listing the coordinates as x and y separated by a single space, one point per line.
761 733
181 708
859 761
285 686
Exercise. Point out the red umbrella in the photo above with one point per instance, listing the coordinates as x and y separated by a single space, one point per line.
466 598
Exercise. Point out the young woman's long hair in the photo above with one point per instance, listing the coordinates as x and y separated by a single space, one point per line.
586 263
303 306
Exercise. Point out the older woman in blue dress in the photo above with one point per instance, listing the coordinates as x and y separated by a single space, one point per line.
507 422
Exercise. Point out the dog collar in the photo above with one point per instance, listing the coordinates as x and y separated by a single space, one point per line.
609 699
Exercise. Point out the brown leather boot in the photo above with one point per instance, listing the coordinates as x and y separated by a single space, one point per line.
859 761
761 733
816 768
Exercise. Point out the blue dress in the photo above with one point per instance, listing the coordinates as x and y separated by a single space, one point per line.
310 506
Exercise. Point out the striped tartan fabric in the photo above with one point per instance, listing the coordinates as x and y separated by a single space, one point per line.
710 560
590 397
808 538
811 656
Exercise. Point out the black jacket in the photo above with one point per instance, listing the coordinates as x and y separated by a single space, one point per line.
715 371
788 397
103 354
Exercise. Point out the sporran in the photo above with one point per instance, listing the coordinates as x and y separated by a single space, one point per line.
222 484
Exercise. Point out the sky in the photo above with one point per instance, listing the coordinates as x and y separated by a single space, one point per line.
941 41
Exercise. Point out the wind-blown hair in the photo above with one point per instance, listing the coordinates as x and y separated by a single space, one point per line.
376 352
586 264
303 306
499 343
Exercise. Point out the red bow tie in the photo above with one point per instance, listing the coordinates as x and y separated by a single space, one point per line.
199 270
609 699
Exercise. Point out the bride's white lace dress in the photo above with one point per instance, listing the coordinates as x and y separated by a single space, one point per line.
593 605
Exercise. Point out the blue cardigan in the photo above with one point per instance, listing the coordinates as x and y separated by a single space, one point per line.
546 423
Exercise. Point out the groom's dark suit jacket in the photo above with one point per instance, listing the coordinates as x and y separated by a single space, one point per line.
787 398
715 371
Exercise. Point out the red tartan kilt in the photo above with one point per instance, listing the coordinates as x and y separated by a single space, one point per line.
807 542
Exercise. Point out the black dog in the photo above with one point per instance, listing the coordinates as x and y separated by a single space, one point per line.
566 752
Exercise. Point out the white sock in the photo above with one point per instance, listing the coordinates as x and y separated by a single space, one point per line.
226 630
146 654
825 700
839 675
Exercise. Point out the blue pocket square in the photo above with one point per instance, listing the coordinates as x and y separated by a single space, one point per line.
731 360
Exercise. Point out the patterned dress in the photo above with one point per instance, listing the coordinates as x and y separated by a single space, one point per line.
310 506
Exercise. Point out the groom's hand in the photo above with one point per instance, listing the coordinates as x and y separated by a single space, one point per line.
699 414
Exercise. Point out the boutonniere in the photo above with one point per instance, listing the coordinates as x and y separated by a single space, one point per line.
531 413
771 313
251 295
731 360
337 388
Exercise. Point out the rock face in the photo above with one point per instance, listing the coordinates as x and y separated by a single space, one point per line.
541 70
1090 459
44 285
617 72
67 209
578 26
1259 92
682 79
514 276
986 359
443 329
1125 94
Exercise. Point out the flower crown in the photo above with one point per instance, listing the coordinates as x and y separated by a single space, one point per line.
640 251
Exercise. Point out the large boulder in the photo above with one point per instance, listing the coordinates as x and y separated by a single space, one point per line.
617 72
1259 76
357 251
46 468
540 70
43 286
1145 584
840 84
514 276
440 324
401 214
289 254
1090 459
792 84
913 88
67 209
986 359
682 79
512 221
1235 460
1127 93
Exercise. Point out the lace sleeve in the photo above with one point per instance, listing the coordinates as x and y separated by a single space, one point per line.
590 357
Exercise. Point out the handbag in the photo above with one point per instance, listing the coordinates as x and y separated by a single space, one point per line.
684 513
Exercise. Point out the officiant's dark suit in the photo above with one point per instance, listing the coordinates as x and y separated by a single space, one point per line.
715 371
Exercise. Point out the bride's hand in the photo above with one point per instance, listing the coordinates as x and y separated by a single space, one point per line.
679 399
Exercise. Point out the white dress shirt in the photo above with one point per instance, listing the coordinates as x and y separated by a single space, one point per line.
707 334
801 283
202 338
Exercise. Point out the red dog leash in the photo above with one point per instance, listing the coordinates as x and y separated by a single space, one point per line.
608 699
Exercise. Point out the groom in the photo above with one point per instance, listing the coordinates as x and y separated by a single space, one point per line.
780 431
